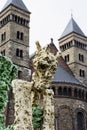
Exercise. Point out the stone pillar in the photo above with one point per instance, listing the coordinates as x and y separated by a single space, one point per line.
23 105
48 119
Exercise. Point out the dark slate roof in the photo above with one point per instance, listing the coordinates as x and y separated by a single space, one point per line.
72 26
61 75
18 3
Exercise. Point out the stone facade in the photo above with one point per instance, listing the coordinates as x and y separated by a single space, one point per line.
68 104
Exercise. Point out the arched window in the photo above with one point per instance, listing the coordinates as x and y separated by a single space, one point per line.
15 18
17 52
21 53
22 36
18 34
3 36
75 93
60 91
80 121
65 91
19 20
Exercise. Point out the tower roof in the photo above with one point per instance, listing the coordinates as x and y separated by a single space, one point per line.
72 26
18 3
62 76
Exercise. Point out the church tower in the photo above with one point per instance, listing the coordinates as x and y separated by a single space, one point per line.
14 35
73 45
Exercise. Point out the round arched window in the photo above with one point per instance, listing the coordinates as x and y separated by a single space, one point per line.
80 121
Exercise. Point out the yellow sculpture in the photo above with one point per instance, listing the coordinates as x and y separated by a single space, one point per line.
36 93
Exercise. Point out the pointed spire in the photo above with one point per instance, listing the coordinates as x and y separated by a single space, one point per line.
51 40
71 27
71 13
17 3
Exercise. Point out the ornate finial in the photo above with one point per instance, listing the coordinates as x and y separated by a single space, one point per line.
71 13
51 40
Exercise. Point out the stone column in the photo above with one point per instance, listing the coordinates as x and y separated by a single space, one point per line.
23 105
48 119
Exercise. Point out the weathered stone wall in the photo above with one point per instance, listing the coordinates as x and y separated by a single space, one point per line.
68 105
74 63
66 111
12 43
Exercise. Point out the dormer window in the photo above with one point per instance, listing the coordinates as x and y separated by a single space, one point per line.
18 34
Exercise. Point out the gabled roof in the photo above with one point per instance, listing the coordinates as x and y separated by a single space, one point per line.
52 47
62 76
18 3
72 26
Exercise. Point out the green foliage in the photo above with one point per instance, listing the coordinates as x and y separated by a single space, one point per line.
8 128
37 116
8 72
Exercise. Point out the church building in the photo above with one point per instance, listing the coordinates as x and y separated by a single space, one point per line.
69 82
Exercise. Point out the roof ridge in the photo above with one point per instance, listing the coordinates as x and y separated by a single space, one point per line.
72 23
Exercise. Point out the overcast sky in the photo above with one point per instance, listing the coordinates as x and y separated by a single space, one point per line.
50 17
